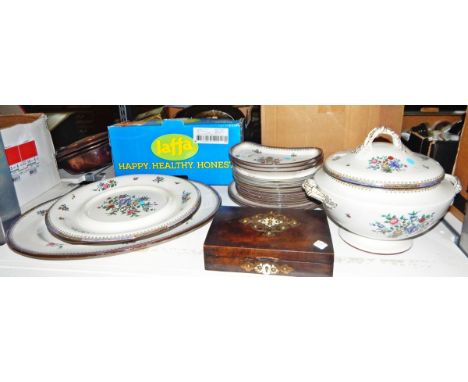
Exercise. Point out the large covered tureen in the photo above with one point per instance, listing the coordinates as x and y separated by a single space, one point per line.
382 194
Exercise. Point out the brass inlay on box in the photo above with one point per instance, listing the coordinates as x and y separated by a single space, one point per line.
271 223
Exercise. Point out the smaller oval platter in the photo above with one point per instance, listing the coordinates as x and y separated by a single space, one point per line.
122 209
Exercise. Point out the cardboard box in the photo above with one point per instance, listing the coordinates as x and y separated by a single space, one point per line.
331 127
195 148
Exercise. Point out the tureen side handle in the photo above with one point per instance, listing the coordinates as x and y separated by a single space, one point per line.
312 190
374 133
455 182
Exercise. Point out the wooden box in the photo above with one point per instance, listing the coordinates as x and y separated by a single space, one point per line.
290 242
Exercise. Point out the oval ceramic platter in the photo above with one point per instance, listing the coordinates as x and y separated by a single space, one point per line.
122 209
255 155
30 236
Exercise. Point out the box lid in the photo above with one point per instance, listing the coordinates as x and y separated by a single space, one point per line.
177 122
283 234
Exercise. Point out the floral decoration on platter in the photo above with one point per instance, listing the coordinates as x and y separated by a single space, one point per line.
41 212
256 151
128 205
268 160
54 245
63 207
106 185
386 163
185 196
158 179
393 226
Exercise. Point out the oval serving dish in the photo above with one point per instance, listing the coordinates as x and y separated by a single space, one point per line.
123 209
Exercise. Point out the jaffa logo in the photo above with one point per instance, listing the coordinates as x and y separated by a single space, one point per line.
174 147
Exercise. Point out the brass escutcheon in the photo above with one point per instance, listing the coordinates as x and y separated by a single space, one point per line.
266 268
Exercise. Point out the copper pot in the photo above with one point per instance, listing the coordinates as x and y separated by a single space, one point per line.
84 155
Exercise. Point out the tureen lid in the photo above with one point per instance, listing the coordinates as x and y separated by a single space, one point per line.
384 165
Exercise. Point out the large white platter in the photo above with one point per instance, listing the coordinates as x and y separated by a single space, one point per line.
122 209
30 236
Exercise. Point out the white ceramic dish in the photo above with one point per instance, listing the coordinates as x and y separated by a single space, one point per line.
382 195
253 154
30 236
123 208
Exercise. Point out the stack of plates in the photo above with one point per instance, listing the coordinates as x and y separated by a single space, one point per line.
113 216
272 177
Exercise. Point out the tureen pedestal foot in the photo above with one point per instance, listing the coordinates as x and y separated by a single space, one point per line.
381 247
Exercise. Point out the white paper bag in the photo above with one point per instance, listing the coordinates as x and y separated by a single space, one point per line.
30 154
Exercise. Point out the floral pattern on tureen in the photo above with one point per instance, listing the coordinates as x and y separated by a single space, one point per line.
393 226
386 163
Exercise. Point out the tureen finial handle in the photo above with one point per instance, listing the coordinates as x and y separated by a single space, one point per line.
382 130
